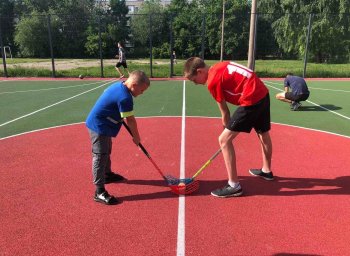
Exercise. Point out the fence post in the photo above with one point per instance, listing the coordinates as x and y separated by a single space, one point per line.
252 33
150 44
222 31
307 44
2 48
203 36
100 45
171 47
51 48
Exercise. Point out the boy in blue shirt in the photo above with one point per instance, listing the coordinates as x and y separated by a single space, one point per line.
104 122
295 90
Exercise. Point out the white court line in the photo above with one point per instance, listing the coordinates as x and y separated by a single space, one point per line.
54 88
323 89
313 103
314 88
59 102
12 80
180 250
145 117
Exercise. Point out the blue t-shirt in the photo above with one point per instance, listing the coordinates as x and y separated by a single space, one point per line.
296 84
115 103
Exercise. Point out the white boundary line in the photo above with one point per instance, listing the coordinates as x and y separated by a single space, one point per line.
18 79
53 88
180 250
311 129
310 87
313 103
145 117
49 106
39 130
332 90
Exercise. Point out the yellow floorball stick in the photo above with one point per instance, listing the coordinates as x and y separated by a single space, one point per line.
206 164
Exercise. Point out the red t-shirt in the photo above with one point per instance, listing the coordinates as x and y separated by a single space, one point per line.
235 84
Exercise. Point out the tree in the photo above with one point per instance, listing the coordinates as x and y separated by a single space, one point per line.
150 20
329 32
187 27
113 23
190 16
68 26
7 22
31 36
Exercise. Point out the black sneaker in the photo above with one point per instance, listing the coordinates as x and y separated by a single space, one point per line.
105 198
113 177
295 106
260 173
228 191
292 105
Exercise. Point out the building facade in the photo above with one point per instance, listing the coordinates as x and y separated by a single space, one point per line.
134 5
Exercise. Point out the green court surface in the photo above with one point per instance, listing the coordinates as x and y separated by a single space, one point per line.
30 105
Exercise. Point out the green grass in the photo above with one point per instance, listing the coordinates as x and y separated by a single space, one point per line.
161 68
164 98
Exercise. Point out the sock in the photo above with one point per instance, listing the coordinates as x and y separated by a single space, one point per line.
100 190
233 184
265 171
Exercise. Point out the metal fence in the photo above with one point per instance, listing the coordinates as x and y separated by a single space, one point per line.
151 39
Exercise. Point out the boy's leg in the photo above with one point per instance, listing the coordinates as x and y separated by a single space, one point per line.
228 152
266 150
117 67
99 163
262 128
126 67
110 176
101 149
120 72
282 97
233 188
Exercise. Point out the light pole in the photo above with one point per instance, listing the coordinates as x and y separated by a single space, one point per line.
222 30
252 33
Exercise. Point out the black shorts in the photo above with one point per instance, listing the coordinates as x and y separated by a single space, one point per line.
293 97
121 64
256 116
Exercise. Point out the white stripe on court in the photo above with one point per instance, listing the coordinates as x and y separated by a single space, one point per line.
14 80
313 88
313 103
324 89
57 103
54 88
145 117
180 249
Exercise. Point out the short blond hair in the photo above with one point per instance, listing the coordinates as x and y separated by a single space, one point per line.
191 66
139 77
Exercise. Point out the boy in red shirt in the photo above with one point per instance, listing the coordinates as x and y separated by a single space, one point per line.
233 83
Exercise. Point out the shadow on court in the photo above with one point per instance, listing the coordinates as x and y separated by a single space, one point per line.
289 186
324 107
253 186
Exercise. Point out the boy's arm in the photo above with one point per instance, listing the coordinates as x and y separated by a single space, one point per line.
131 121
225 112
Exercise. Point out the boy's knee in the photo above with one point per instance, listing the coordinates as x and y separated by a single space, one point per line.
223 140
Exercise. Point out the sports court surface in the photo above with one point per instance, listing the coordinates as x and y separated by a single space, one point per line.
46 206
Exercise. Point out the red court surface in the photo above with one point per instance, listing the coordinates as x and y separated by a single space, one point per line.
46 207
